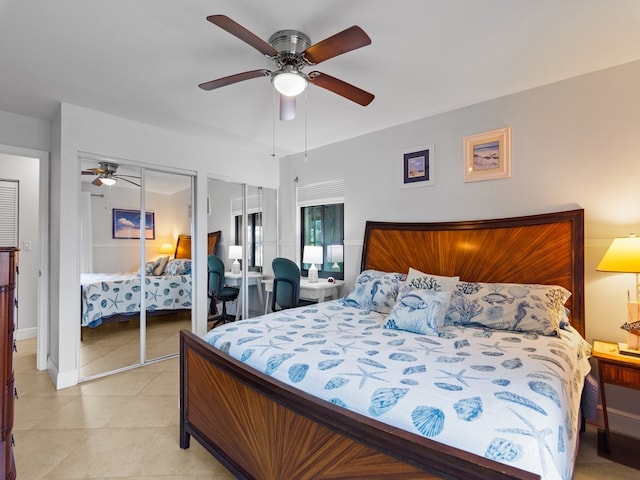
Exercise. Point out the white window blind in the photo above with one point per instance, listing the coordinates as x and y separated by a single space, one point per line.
8 213
324 193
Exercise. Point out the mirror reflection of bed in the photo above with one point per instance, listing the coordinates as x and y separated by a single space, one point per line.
111 331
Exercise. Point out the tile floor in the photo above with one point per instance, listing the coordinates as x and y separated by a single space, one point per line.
126 426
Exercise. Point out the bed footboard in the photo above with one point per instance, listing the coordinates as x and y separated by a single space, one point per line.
261 428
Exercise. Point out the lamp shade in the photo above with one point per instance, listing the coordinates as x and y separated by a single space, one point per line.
335 253
108 181
622 256
289 83
312 254
235 252
166 248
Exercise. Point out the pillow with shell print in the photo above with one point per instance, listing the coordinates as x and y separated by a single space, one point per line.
418 310
374 290
527 308
430 282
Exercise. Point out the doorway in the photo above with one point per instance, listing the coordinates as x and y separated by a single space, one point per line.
31 169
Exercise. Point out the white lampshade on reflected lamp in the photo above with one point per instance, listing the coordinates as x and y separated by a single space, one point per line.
235 252
335 255
623 256
312 254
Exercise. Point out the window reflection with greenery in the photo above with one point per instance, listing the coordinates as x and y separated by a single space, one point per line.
323 225
254 238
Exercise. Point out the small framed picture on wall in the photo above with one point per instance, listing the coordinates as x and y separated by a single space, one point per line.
487 155
417 166
126 224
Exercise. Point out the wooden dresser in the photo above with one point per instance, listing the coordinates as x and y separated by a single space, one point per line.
8 271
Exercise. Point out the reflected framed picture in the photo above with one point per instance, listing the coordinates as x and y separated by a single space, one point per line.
417 166
126 224
487 155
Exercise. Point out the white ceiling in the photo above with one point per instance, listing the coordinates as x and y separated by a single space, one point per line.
143 59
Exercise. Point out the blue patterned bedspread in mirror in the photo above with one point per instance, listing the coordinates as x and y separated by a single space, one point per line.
106 294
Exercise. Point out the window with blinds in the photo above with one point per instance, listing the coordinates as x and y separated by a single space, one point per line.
8 213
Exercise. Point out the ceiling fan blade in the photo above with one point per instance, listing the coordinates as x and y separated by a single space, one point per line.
97 182
238 77
345 41
287 107
342 88
121 177
243 34
93 171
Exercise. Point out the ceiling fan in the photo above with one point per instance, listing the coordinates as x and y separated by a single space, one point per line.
292 51
106 174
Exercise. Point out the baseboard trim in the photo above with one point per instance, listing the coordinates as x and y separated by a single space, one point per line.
620 421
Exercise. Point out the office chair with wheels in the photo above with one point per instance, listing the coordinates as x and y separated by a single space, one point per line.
286 285
218 291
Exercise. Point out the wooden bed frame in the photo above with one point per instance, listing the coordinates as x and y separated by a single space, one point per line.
261 428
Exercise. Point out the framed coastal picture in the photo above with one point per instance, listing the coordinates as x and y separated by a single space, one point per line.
126 224
417 166
487 155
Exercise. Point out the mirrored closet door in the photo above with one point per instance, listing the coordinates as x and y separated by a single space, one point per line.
245 216
135 295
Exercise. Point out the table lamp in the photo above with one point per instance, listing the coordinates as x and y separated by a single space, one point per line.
623 256
312 254
166 249
335 255
235 252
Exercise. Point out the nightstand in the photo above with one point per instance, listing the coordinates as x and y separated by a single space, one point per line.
622 370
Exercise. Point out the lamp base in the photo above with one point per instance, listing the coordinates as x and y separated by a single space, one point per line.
313 273
235 268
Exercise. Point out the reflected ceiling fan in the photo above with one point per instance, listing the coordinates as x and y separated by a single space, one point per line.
292 51
106 174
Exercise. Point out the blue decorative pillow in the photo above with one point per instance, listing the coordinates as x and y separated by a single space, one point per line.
418 310
178 266
375 290
427 281
508 306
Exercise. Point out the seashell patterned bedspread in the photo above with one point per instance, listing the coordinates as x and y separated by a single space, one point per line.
508 396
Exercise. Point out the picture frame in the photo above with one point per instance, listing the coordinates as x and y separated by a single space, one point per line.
417 166
487 156
126 224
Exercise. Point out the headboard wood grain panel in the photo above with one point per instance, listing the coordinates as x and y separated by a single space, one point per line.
544 249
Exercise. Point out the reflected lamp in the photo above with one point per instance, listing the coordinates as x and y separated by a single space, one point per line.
312 254
335 255
235 252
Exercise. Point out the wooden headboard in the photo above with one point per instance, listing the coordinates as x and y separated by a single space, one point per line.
183 245
544 249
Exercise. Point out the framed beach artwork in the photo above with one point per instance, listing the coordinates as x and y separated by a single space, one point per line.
126 224
487 155
417 166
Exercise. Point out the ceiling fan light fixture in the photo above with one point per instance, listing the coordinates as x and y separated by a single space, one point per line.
289 82
108 181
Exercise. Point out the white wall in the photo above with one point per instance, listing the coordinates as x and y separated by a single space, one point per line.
123 255
82 130
574 143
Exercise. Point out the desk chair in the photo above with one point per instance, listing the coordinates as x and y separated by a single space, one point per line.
286 285
218 291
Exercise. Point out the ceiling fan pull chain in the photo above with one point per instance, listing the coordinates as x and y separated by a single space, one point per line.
273 121
306 108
